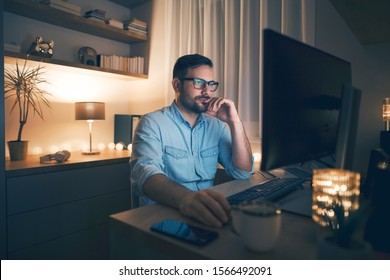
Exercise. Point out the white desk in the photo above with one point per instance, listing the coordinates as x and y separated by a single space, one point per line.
131 238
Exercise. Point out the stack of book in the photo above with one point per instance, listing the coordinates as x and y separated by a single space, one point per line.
63 6
136 25
12 47
97 15
122 63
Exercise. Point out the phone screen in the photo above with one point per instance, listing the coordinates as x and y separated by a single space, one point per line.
186 232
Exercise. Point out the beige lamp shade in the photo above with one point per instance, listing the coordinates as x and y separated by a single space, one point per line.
386 109
89 111
386 113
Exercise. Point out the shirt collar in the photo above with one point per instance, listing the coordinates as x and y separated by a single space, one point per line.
179 116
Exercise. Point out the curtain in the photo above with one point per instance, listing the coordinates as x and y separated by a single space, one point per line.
230 33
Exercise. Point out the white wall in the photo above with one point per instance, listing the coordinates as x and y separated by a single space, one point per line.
370 72
68 85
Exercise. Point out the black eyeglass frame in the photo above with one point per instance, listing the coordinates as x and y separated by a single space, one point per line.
210 84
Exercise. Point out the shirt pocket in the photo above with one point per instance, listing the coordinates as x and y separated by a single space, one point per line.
209 158
176 163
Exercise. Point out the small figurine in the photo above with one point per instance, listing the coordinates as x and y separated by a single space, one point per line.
41 47
87 56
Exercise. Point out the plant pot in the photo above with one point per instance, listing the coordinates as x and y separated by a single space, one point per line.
17 150
328 249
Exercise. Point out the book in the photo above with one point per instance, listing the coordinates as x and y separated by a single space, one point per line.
96 19
122 63
12 47
63 4
135 21
97 12
64 9
137 30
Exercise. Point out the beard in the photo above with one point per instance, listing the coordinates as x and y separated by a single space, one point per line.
195 105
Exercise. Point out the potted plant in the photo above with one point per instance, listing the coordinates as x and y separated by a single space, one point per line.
342 242
21 84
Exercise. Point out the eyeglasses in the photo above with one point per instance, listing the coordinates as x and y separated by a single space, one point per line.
201 84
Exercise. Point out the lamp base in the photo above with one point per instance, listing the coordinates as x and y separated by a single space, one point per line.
90 153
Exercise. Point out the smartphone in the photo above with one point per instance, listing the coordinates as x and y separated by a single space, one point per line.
186 232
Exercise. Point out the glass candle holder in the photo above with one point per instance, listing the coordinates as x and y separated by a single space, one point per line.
386 112
335 195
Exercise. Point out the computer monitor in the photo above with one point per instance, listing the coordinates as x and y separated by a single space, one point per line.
302 98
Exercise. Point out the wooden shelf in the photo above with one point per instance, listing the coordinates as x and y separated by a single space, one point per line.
53 16
10 57
129 3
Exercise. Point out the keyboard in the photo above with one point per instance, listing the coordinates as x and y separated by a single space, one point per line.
270 190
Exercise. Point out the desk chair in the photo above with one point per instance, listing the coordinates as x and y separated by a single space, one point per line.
134 197
222 177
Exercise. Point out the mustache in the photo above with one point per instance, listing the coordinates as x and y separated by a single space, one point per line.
204 97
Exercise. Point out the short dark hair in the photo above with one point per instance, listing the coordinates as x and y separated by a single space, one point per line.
189 61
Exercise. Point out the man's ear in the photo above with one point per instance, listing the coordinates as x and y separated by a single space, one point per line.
176 84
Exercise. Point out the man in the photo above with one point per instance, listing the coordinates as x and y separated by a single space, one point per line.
176 149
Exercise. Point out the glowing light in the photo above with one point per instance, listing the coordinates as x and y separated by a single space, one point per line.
334 189
386 109
130 147
119 146
101 146
37 150
257 157
85 148
111 146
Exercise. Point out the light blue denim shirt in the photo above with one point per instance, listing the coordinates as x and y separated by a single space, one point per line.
165 143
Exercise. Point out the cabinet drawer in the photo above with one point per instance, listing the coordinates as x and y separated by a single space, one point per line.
37 191
91 244
38 226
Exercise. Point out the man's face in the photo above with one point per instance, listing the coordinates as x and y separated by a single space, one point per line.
190 98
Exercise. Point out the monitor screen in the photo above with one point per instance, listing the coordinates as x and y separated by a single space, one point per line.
302 89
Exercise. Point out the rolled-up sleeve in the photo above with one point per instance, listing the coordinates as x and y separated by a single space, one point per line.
226 158
146 158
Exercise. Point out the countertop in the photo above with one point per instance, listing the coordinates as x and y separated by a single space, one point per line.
32 165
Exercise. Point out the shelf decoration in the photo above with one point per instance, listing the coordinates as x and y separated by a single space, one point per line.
136 25
62 5
122 63
22 87
97 15
41 47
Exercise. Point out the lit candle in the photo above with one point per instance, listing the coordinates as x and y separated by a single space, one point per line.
335 192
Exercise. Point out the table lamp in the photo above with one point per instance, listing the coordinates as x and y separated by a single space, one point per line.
335 196
386 113
90 111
